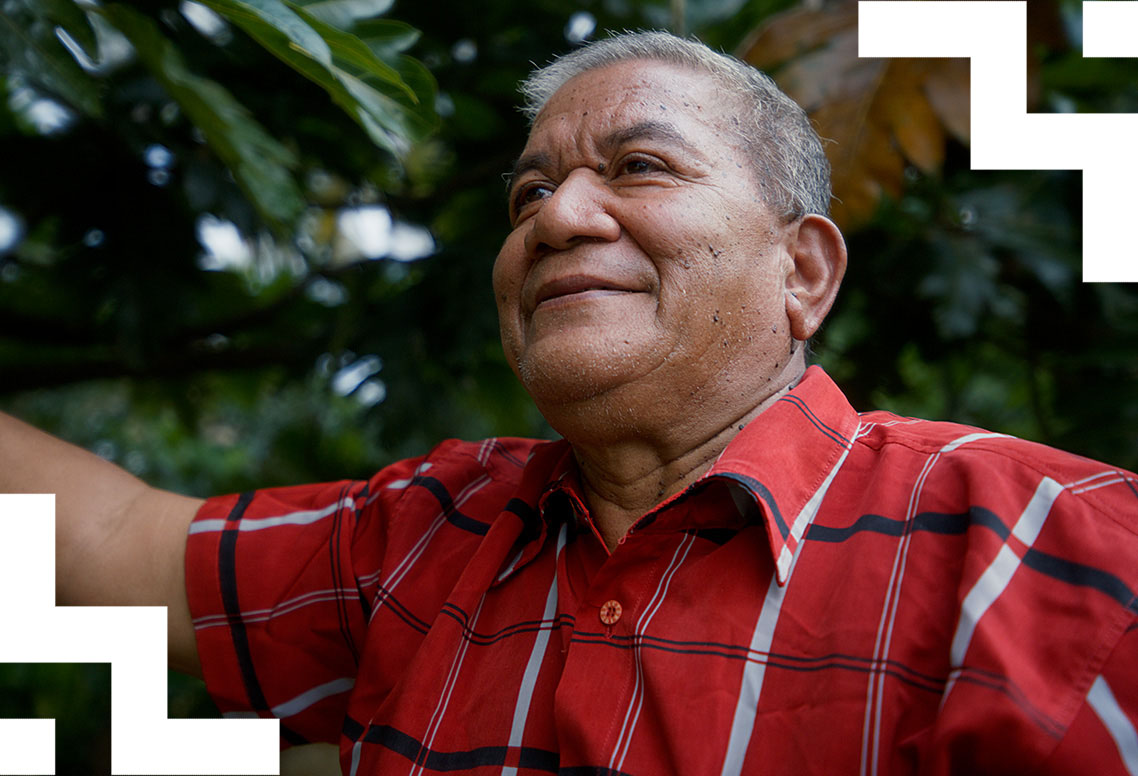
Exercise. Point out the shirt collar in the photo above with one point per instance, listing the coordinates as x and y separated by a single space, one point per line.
782 462
785 459
547 468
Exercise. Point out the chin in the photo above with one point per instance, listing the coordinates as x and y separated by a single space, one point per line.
583 364
567 381
578 376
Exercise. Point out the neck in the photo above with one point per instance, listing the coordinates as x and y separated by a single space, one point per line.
625 474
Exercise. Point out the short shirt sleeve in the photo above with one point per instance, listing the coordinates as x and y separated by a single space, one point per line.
1103 739
274 580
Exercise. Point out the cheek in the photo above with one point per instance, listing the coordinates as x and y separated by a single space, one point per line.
507 274
507 278
500 280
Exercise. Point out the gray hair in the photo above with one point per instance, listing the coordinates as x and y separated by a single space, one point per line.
793 172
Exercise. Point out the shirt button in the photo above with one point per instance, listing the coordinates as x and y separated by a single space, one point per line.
610 612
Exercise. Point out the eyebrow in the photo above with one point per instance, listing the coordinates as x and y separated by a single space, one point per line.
534 161
644 130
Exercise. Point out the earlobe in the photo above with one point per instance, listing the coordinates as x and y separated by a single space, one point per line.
819 255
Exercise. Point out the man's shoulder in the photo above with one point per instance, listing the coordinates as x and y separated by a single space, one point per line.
454 461
513 453
880 429
977 458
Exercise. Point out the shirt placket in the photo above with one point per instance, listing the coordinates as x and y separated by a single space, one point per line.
615 600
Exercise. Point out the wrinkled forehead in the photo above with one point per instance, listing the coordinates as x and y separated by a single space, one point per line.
603 100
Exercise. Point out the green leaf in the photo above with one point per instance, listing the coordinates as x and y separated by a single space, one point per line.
261 165
419 78
393 115
74 20
254 15
353 55
35 52
386 37
367 88
344 13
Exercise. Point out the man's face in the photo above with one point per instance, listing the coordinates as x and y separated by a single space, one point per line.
641 255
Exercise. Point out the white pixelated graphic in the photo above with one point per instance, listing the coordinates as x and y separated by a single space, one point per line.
1004 135
133 640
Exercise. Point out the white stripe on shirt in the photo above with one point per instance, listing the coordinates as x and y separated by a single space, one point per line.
1121 729
303 517
995 579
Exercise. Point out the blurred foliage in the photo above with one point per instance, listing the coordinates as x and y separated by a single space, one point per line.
248 244
964 300
878 116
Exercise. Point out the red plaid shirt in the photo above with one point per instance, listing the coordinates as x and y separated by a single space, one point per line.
839 594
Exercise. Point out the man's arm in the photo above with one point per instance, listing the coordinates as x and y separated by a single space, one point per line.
117 540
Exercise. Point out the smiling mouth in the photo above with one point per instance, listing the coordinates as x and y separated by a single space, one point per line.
584 294
576 289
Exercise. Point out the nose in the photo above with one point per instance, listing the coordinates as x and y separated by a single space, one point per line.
577 211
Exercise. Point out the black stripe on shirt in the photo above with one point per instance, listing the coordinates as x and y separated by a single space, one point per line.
385 598
1129 484
898 670
484 756
227 581
1084 576
342 614
291 737
837 661
362 499
529 757
804 408
945 523
762 492
453 516
500 449
523 510
351 729
526 626
1063 570
531 521
1003 685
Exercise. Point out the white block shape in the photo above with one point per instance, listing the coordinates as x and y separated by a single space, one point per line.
27 746
1004 136
1109 28
133 640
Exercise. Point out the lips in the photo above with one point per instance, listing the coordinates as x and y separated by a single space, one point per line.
577 286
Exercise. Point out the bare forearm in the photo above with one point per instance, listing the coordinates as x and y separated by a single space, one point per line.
118 541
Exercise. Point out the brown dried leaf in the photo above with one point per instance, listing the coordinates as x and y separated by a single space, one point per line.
827 74
865 163
795 32
914 124
880 114
948 87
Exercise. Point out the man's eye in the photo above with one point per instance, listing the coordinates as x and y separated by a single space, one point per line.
531 193
638 165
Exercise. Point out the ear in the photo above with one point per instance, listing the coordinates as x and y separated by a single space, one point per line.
819 255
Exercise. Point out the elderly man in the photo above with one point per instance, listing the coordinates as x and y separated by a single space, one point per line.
722 568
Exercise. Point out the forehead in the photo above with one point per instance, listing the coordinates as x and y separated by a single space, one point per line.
685 103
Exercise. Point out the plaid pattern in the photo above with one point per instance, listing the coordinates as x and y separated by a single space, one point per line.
839 594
